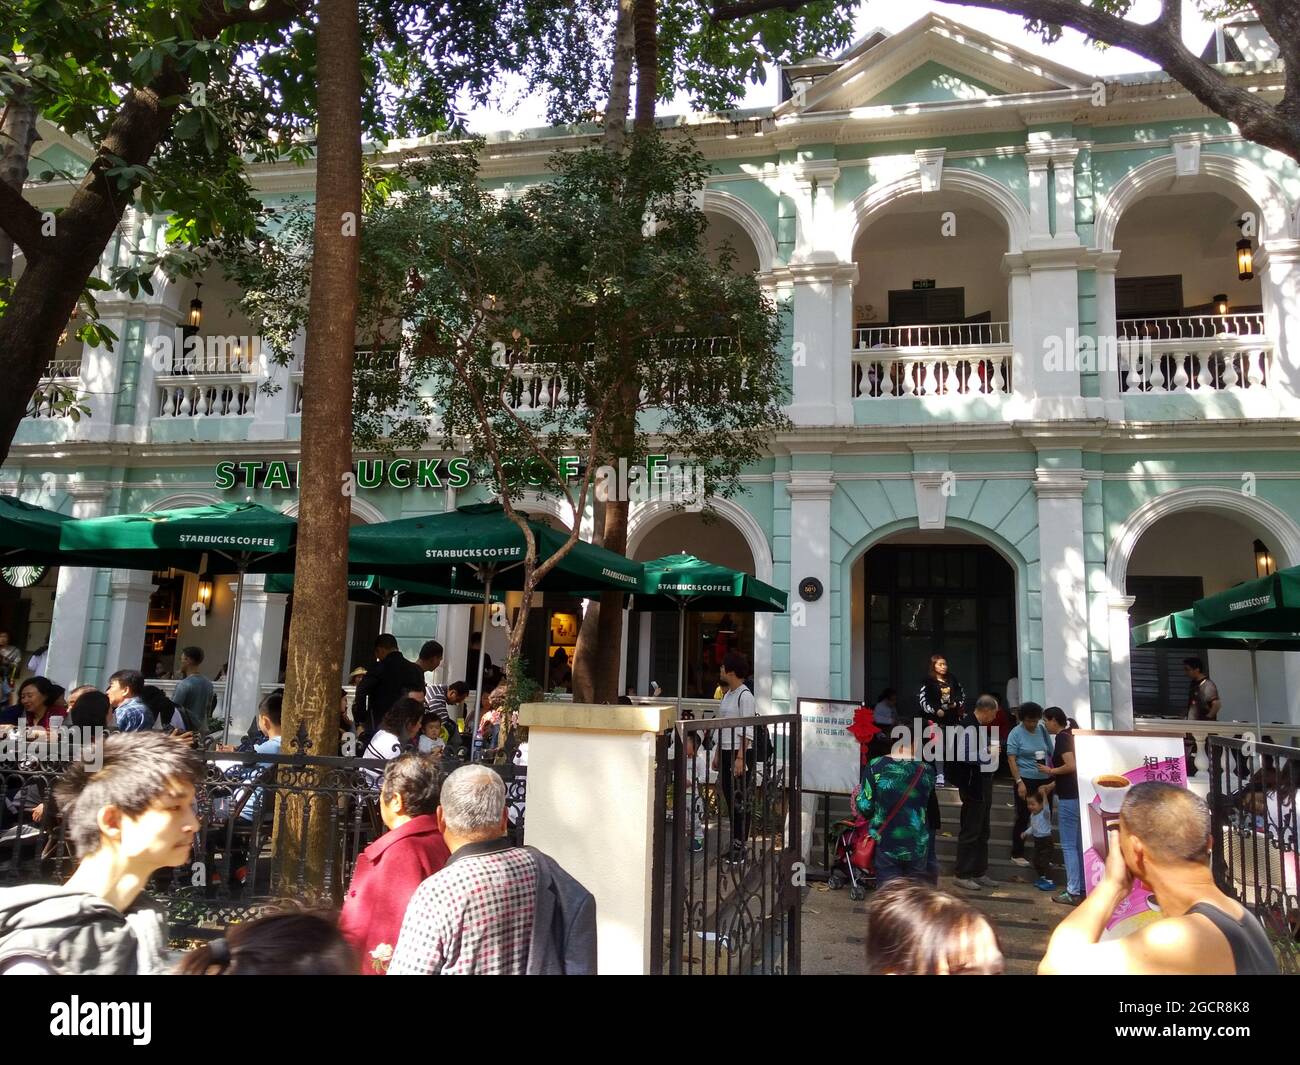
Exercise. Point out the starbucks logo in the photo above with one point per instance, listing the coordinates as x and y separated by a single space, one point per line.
22 576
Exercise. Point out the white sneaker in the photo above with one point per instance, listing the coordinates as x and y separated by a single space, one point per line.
966 884
1022 862
987 881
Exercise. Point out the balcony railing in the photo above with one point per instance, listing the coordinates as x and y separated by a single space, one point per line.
59 376
1192 327
1197 353
948 335
210 396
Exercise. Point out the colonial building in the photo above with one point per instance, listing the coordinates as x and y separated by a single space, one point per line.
1044 359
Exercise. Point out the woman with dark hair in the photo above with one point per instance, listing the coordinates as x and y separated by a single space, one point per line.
942 699
393 866
916 930
39 699
396 733
560 676
279 944
1066 779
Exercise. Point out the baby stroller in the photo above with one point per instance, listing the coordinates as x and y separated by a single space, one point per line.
850 835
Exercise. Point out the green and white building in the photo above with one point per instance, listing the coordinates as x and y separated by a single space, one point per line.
1034 400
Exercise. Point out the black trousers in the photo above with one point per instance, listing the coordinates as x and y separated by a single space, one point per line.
738 792
1022 815
973 837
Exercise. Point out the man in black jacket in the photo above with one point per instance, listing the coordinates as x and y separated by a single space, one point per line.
973 775
389 678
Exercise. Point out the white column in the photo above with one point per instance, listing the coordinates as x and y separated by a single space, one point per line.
162 337
622 656
810 531
455 642
127 617
1040 223
643 655
101 375
1045 328
1064 153
1108 336
74 598
823 342
1020 306
1121 677
606 754
1278 267
261 628
271 410
1064 591
811 184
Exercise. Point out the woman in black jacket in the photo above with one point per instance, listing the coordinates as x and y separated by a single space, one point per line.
942 699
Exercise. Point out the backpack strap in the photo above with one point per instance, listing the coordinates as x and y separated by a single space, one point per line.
902 799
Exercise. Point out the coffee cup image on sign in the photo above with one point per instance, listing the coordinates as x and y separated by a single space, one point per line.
1111 789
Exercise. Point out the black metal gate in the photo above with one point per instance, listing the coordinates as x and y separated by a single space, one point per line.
729 874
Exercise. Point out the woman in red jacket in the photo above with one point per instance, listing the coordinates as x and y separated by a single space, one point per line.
391 868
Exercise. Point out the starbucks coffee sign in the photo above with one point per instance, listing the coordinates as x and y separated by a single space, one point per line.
369 473
22 576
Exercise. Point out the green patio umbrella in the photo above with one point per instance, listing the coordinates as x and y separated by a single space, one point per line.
217 538
482 539
1180 630
1267 605
684 582
29 536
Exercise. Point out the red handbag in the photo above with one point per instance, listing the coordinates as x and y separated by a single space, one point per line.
864 846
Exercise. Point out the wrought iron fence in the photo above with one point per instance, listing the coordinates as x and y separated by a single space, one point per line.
241 802
728 875
1255 830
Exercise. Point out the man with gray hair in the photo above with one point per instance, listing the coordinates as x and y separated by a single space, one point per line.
494 908
1163 840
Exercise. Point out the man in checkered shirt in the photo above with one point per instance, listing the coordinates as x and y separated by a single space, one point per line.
475 915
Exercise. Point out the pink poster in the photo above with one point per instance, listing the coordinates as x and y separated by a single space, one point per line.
1109 764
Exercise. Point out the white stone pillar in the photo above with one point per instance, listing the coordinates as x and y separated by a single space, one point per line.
1040 223
810 535
101 375
1064 153
1278 266
1064 591
643 677
271 410
261 629
822 342
74 599
1121 676
1107 264
127 617
162 338
606 754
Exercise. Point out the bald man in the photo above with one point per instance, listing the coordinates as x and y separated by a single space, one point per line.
1163 840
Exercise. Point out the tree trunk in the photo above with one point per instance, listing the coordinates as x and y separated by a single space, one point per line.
584 652
620 81
607 657
17 135
316 634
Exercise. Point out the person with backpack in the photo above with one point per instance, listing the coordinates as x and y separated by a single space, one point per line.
737 751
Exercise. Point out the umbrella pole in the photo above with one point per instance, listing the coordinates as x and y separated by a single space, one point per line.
1254 685
482 650
681 655
234 648
384 608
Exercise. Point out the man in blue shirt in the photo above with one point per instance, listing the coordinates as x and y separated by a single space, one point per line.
125 688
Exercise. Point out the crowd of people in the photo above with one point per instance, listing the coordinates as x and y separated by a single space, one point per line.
443 891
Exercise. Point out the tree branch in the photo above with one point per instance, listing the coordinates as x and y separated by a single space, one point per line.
22 222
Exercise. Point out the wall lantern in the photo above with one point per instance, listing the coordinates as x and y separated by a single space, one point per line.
1264 564
196 312
205 591
1221 305
1245 257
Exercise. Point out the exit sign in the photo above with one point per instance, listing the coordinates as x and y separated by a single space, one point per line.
929 283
